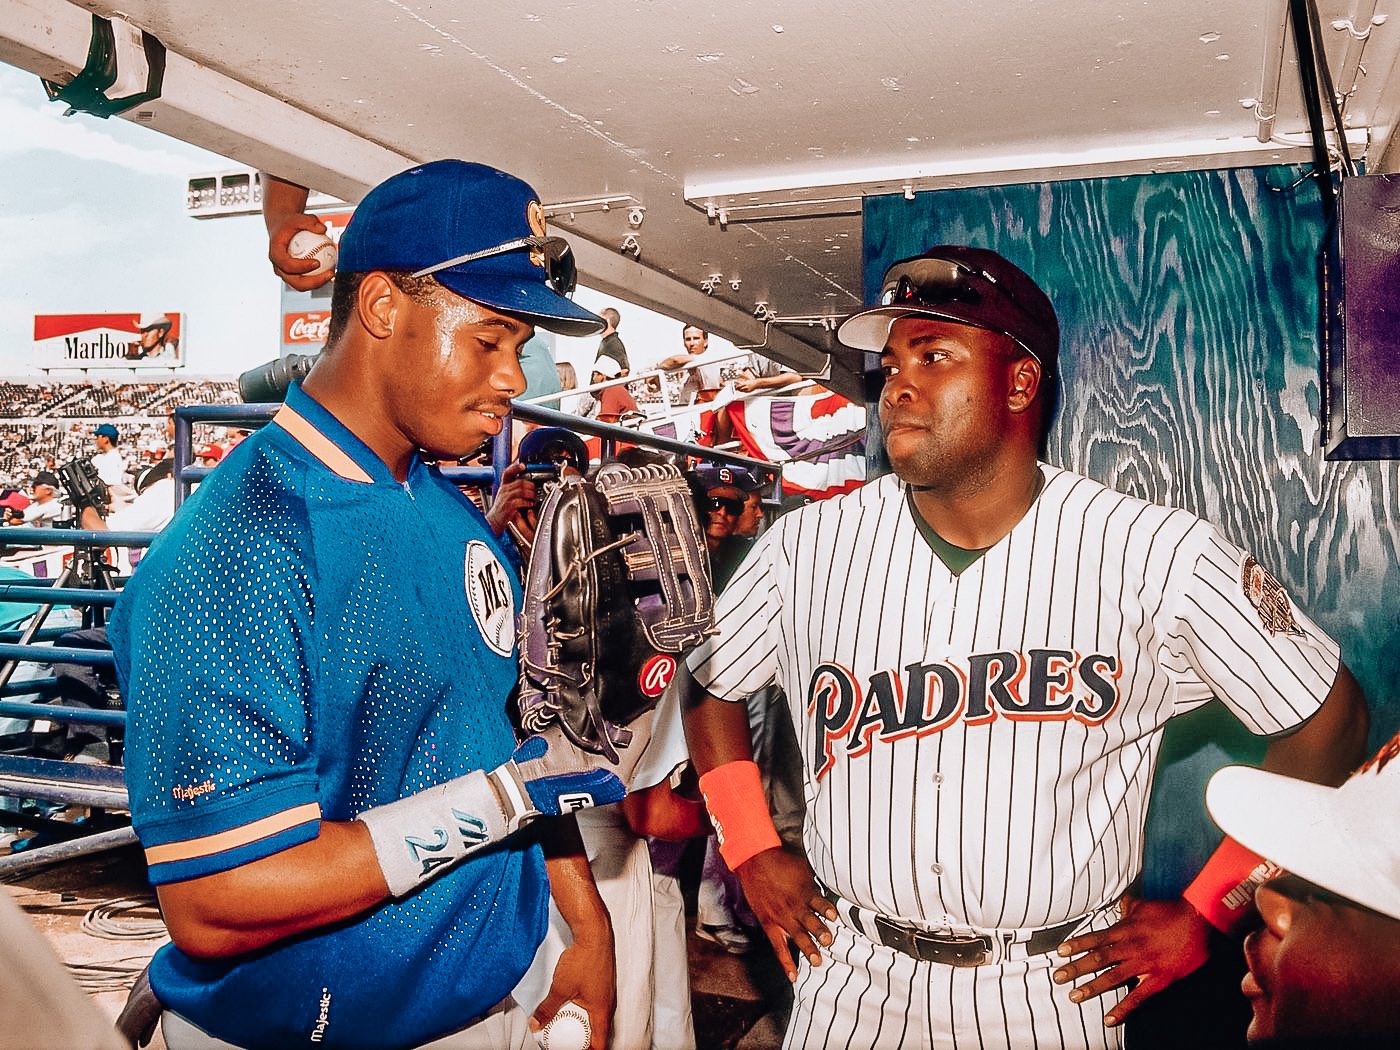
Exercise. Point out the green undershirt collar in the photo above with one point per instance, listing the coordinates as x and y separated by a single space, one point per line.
955 558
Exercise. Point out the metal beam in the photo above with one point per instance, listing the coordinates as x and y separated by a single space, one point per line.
205 108
801 348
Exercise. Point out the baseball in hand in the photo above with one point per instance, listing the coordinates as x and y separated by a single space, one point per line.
306 244
568 1030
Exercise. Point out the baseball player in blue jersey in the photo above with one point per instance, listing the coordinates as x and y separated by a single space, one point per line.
317 653
982 651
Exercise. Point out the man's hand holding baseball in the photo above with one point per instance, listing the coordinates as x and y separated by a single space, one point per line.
782 891
284 215
1155 942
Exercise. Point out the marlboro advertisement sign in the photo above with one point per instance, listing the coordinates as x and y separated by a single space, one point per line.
146 340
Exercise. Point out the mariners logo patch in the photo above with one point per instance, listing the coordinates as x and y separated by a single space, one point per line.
1268 597
489 598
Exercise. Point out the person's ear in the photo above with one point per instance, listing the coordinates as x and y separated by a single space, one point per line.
1025 383
377 305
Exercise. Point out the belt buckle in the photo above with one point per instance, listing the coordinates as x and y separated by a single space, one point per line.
960 950
954 950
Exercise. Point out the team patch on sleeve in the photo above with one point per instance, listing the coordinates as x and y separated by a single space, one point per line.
1269 598
489 598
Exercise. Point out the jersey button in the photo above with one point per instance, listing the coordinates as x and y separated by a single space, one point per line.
937 869
938 778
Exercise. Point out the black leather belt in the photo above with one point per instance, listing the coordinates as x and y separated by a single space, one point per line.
951 949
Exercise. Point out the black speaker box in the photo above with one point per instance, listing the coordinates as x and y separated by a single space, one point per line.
1361 352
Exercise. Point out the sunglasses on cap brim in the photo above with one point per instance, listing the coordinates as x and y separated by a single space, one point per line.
934 283
555 255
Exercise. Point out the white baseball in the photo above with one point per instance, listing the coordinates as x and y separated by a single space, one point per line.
306 244
569 1029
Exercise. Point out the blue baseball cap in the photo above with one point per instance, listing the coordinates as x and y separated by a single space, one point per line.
108 431
479 231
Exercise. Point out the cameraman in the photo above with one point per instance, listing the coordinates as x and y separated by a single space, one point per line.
150 511
44 509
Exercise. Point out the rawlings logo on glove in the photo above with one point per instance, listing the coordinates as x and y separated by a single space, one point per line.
617 582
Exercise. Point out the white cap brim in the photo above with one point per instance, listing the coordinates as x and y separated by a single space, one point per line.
1346 840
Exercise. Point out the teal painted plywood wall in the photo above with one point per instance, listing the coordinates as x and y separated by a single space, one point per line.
1189 304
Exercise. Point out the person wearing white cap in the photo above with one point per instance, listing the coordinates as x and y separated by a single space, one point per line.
1326 963
611 403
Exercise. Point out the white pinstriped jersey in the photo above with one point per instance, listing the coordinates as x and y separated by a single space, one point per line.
978 749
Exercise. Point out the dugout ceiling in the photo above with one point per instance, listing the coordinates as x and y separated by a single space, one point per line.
749 135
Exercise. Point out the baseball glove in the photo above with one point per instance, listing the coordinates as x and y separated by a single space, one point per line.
617 585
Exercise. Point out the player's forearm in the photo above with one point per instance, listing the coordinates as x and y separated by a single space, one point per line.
717 732
572 885
327 880
281 199
1332 743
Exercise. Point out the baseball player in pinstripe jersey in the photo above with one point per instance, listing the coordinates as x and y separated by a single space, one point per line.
982 651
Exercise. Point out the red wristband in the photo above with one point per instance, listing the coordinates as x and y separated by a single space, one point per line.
739 811
1224 890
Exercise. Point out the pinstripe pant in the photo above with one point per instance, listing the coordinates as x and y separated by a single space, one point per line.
866 996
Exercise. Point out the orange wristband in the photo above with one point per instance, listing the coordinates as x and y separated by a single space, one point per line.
1224 890
739 811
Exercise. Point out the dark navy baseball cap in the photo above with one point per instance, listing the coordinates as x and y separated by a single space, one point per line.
479 231
714 476
972 286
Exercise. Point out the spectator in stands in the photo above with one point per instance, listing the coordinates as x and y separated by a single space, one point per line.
614 402
111 464
45 508
568 380
541 375
702 382
14 503
209 456
759 373
611 344
751 520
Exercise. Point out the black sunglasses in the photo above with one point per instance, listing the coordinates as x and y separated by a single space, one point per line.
728 504
933 282
554 254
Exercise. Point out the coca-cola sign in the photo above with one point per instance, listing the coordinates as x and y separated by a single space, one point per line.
307 327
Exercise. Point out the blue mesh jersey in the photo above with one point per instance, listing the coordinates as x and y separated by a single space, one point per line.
309 638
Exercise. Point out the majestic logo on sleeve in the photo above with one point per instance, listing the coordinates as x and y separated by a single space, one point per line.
1268 597
490 599
1039 685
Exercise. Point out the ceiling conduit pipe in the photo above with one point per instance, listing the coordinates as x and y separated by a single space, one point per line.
1358 30
1266 108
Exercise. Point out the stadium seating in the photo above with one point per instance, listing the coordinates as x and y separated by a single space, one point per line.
40 420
